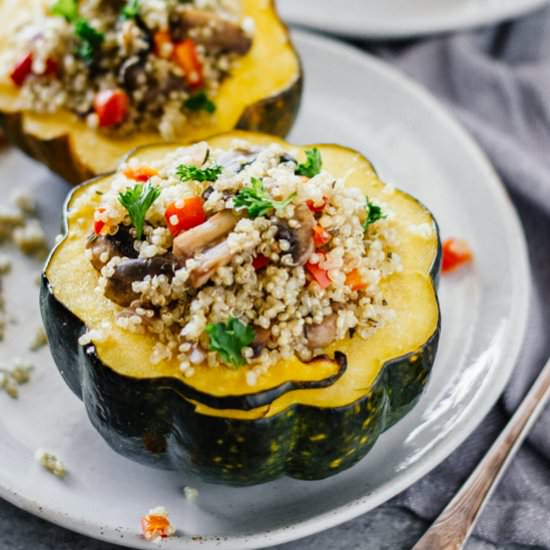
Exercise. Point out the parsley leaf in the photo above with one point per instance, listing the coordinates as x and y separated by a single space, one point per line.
89 40
66 8
374 214
200 102
137 201
130 10
257 200
313 164
187 172
229 339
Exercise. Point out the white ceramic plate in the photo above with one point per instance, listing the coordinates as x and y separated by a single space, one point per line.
414 143
400 18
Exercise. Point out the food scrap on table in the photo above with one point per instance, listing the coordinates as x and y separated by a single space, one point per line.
156 525
51 463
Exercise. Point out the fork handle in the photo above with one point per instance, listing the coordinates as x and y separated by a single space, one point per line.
452 528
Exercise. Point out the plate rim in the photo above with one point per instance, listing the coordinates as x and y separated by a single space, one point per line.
396 30
440 452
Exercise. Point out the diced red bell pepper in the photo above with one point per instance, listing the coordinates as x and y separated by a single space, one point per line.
260 261
186 57
456 253
22 70
161 38
185 214
99 224
142 173
354 280
320 236
317 208
52 67
155 527
319 274
111 107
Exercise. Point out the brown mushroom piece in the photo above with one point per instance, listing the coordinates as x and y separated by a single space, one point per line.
119 287
323 334
214 32
261 340
188 243
212 259
105 247
300 238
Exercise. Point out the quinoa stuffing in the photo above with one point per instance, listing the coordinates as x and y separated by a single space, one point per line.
241 257
126 66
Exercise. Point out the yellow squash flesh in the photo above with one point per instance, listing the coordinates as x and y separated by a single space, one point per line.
410 294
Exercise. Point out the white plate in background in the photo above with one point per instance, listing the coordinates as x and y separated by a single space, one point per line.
389 19
416 145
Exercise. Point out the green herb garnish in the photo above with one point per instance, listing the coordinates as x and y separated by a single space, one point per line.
130 10
137 201
187 172
90 40
228 340
200 102
66 8
257 200
374 214
313 164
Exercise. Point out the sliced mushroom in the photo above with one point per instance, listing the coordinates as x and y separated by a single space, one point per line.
322 335
194 240
196 154
119 286
215 32
106 247
236 161
261 340
209 262
300 238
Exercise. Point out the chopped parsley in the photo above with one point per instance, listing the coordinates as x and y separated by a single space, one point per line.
313 164
257 200
187 172
374 214
200 102
90 40
130 10
137 201
66 8
229 339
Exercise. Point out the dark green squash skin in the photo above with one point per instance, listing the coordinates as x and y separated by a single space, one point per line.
149 421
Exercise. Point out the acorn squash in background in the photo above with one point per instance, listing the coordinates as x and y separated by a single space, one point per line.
262 94
306 420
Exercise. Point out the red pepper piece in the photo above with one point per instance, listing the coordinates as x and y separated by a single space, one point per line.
456 253
319 274
111 107
185 214
22 70
260 261
186 57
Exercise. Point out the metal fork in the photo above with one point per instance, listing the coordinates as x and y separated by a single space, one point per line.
454 526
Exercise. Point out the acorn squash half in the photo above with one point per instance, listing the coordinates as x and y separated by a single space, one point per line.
262 94
305 420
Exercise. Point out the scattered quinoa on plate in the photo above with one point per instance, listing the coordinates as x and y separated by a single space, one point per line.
241 256
127 66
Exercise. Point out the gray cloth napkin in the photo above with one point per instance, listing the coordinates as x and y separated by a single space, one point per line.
497 81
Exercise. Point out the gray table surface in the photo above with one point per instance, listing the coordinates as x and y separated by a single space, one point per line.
386 528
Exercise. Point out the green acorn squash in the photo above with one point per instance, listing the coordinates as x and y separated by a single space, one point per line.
258 96
305 420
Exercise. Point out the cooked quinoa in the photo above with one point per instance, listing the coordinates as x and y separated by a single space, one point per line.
122 66
241 257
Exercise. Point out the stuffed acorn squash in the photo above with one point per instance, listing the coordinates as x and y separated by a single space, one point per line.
244 308
84 81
